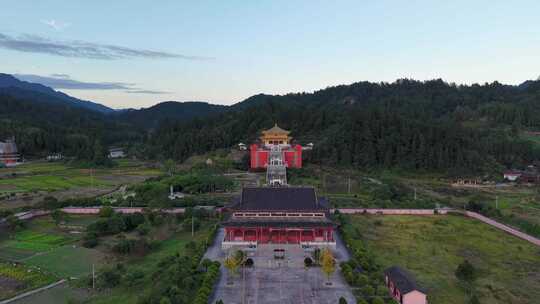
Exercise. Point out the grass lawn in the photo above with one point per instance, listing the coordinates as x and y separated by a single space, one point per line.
67 261
432 247
58 295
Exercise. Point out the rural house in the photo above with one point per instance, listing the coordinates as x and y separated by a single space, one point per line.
402 286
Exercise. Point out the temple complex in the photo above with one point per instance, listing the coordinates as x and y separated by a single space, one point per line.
275 141
278 213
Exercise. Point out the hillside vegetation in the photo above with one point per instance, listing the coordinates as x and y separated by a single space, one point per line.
431 125
409 124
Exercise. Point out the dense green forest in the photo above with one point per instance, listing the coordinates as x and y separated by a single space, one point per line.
408 124
41 128
431 125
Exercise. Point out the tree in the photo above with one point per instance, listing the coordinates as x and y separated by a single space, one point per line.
328 263
233 262
474 299
14 223
219 301
106 211
466 272
58 216
165 300
240 256
377 300
342 300
169 166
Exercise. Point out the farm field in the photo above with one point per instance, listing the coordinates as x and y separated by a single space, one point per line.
52 176
28 183
432 247
39 235
17 278
45 253
47 246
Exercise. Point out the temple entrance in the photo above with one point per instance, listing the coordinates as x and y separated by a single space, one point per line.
293 237
250 236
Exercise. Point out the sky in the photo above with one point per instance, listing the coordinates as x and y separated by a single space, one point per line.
132 54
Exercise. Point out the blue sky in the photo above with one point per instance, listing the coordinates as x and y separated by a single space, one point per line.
138 53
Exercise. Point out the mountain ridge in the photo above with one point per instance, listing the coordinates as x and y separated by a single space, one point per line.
8 81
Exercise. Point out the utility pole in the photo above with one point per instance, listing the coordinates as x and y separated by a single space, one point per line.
496 202
92 179
414 193
93 277
323 186
349 185
192 226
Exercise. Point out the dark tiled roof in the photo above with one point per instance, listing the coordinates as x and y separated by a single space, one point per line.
279 199
402 279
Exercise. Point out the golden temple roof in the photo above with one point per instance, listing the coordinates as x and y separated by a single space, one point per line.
276 130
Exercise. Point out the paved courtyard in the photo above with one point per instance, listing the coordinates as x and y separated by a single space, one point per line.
285 281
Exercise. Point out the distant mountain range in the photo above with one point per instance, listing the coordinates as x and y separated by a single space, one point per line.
40 93
169 110
145 117
413 124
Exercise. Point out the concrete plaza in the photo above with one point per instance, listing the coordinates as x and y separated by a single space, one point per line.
283 281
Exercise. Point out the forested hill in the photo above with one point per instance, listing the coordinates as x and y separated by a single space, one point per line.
43 128
45 121
43 94
429 125
169 110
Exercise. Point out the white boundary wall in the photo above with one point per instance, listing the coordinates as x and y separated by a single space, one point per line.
390 211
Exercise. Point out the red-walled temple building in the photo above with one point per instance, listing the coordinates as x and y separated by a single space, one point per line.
275 140
8 153
278 215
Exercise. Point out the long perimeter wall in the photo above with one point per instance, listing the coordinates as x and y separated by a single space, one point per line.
95 210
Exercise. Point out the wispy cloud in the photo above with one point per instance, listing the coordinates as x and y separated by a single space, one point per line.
82 49
55 24
64 81
148 92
